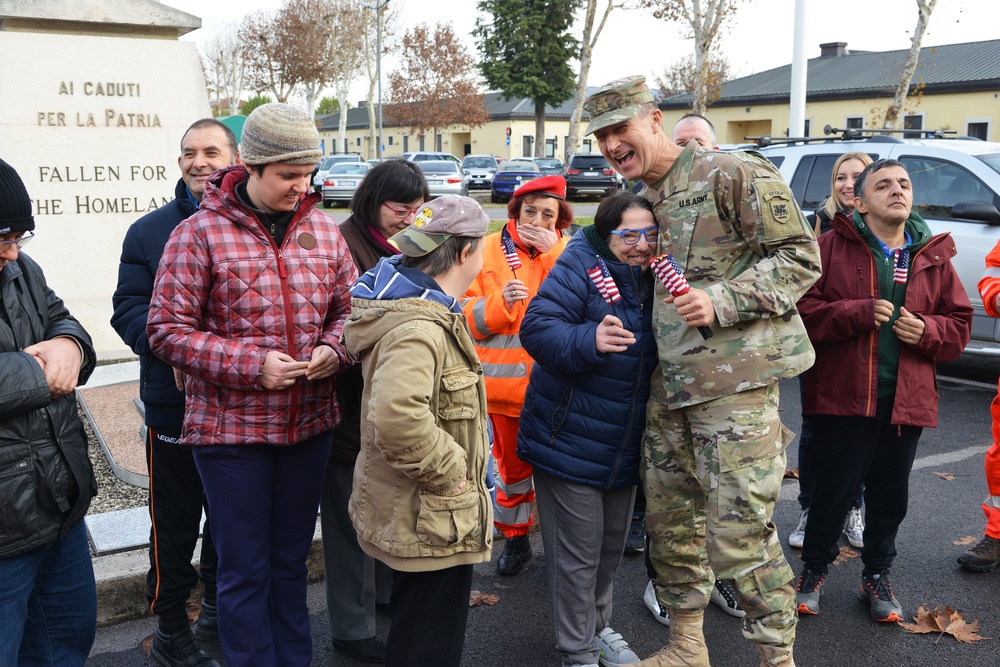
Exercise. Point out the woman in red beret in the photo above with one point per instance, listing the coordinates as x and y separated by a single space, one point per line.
516 260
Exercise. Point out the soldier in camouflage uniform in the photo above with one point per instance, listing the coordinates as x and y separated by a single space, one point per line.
714 445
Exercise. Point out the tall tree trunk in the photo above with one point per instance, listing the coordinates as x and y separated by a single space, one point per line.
586 53
372 121
539 148
893 119
342 125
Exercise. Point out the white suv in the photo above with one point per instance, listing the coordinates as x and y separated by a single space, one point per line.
480 170
956 188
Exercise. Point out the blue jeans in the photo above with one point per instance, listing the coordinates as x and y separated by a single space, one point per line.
48 604
264 501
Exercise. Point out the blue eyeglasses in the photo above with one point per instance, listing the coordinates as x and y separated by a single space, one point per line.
632 236
21 242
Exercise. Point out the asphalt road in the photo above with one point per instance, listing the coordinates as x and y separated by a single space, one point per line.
517 632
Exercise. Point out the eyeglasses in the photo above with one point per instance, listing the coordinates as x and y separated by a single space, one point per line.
21 242
632 236
401 212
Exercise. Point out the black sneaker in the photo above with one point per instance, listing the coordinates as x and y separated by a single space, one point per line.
179 650
807 591
877 592
206 629
724 596
983 557
636 541
371 649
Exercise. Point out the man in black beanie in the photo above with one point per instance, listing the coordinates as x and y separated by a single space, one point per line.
48 598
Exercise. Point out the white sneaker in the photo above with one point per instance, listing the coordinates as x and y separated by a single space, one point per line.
615 650
798 536
653 605
854 528
724 596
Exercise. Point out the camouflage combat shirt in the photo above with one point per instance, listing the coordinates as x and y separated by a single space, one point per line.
735 230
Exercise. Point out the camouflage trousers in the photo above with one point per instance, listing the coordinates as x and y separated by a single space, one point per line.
712 475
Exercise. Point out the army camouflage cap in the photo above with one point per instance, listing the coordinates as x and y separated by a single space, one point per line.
438 219
616 102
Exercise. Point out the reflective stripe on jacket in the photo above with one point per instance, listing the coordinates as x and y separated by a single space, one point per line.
495 329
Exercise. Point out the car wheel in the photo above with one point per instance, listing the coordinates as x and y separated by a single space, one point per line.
328 204
494 199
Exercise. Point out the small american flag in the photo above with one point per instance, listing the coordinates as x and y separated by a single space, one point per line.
901 260
604 282
669 272
509 251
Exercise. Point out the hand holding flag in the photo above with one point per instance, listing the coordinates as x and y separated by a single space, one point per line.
509 251
669 272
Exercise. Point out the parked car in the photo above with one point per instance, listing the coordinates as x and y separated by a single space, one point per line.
550 166
324 166
510 176
956 189
444 177
342 180
589 173
422 156
480 170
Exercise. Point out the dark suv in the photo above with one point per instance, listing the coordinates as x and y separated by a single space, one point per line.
589 173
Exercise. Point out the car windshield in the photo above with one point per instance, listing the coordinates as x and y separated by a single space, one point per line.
327 163
548 162
438 167
520 166
479 163
992 161
348 168
590 162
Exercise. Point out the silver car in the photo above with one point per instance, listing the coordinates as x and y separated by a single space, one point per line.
326 163
444 177
342 180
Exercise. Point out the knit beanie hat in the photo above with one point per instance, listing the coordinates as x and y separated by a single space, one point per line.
279 133
15 206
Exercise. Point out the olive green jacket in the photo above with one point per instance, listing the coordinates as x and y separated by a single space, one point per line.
732 225
423 431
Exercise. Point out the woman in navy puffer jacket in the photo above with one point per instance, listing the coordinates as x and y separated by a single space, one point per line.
589 330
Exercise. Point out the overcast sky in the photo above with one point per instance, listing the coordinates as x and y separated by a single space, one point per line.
758 37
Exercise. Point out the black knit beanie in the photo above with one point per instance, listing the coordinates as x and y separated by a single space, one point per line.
15 206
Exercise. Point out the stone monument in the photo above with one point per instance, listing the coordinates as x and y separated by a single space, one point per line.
94 97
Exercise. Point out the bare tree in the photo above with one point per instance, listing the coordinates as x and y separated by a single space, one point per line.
435 86
705 18
265 53
681 77
892 114
306 26
590 37
347 54
388 16
223 62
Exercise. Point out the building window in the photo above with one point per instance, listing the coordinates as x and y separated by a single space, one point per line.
914 122
978 128
420 143
550 147
406 143
390 140
347 145
586 146
438 140
854 122
358 142
806 127
526 143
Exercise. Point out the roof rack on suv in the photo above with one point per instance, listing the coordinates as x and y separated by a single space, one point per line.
878 135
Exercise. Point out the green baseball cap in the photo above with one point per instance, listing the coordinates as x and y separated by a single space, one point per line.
616 102
450 215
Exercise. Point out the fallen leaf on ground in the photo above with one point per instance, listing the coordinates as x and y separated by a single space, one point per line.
193 610
791 473
846 554
477 598
946 476
947 622
968 539
147 643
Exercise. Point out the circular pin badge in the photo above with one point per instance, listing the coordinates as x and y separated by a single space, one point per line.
307 240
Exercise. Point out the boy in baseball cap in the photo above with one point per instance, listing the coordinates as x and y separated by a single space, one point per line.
424 440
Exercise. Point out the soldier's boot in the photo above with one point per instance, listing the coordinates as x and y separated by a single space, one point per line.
686 644
775 656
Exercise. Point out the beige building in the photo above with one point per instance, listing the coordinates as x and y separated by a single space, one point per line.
517 115
956 88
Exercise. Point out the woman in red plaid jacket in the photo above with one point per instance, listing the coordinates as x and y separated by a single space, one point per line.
250 299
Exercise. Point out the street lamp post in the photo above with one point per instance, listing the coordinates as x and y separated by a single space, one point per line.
378 7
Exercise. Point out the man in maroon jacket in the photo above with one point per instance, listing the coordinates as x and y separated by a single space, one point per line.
887 308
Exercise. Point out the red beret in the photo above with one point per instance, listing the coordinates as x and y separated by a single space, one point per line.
550 186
